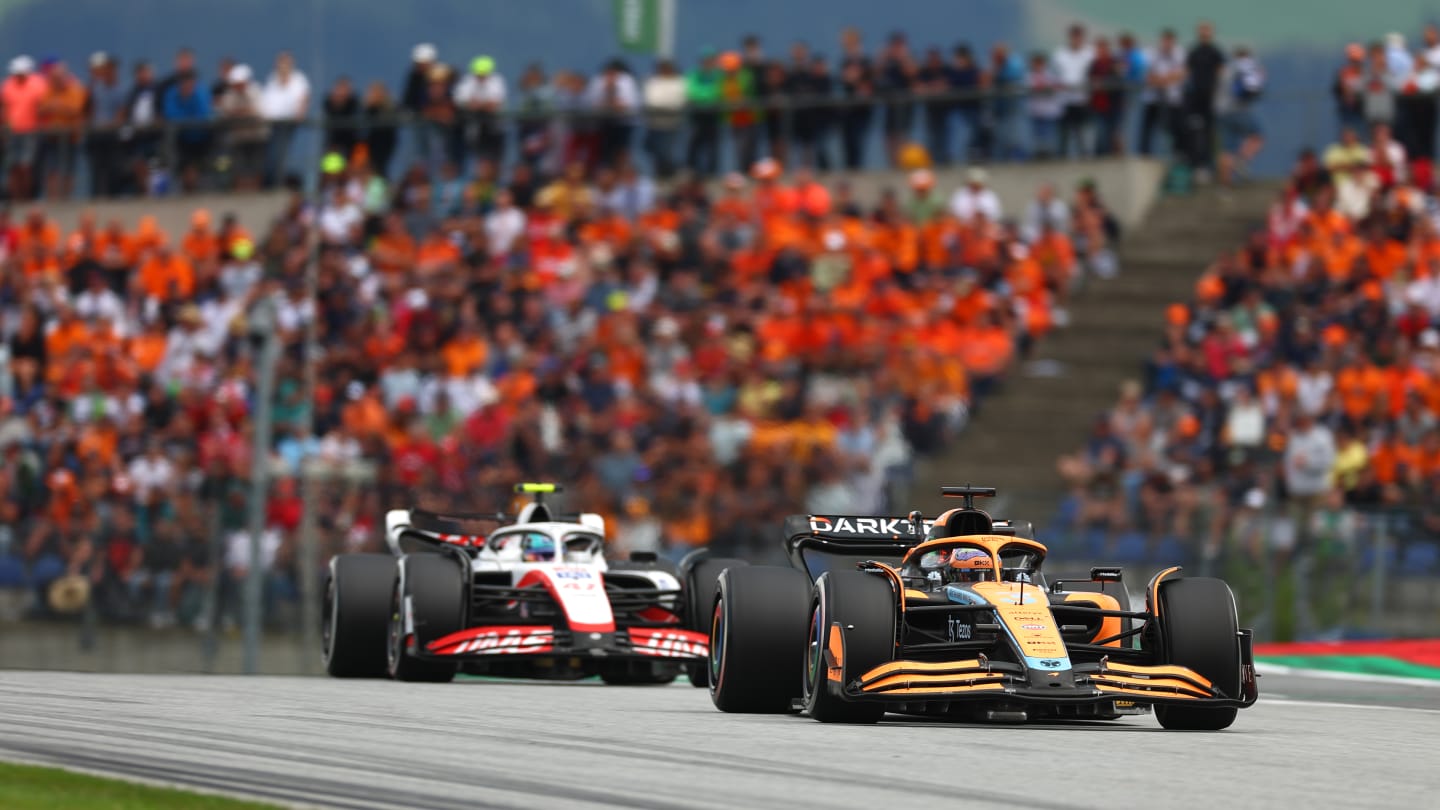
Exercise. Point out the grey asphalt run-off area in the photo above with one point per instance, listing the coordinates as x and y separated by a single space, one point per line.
478 744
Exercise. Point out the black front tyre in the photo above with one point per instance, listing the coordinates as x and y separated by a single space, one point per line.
702 582
864 606
356 615
435 586
757 639
1199 630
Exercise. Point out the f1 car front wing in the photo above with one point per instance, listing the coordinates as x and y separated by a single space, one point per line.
982 678
625 642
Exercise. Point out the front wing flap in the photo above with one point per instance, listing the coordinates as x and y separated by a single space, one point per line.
625 642
981 678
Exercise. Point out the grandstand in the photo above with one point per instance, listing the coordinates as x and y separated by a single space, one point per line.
701 340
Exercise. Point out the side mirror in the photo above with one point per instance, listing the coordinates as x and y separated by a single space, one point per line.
1106 573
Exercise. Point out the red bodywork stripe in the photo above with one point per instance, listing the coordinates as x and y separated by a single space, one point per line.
668 643
495 639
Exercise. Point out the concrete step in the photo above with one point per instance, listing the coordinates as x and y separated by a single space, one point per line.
1046 407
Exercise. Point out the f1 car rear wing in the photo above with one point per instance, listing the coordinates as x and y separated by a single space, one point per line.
407 528
864 537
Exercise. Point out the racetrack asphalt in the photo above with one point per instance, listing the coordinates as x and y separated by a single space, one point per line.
480 744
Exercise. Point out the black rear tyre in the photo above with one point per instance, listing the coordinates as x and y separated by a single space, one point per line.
1199 630
435 586
356 615
701 583
863 604
757 639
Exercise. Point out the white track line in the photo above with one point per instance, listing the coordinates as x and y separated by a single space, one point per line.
1275 700
1399 680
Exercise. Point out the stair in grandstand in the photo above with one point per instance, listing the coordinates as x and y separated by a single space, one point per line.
1049 401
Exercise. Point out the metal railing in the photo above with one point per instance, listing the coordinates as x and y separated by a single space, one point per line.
822 132
1326 572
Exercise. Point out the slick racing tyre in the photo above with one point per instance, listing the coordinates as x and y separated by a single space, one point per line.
757 639
1199 630
864 606
701 583
356 615
434 586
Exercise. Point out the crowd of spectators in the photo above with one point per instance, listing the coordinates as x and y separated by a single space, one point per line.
693 360
187 130
1291 406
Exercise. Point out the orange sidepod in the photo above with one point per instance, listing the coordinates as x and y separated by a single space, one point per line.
1109 625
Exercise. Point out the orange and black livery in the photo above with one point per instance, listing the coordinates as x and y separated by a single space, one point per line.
954 617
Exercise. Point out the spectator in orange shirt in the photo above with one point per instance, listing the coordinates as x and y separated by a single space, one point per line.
166 276
466 353
37 231
21 94
393 251
68 333
38 262
147 349
62 108
437 253
200 243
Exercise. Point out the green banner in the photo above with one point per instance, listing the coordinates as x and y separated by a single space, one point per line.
645 26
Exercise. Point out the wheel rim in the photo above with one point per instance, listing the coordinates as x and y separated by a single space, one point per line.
718 629
327 621
392 649
813 668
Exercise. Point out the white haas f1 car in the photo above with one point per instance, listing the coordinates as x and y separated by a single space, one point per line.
533 597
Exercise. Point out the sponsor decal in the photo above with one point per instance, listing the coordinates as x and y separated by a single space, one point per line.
669 643
499 640
1032 627
1050 663
846 525
465 540
958 629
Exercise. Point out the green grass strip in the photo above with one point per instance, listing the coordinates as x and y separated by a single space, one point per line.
23 787
1358 664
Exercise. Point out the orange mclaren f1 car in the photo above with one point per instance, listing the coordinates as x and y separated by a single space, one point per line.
952 617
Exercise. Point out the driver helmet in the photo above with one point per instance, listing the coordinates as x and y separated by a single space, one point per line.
539 548
932 567
969 565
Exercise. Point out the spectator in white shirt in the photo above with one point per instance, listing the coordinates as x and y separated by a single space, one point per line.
1430 52
1245 423
615 95
1043 104
1072 69
152 473
1312 387
975 197
1164 89
504 225
99 301
664 107
1047 207
284 101
480 97
341 219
